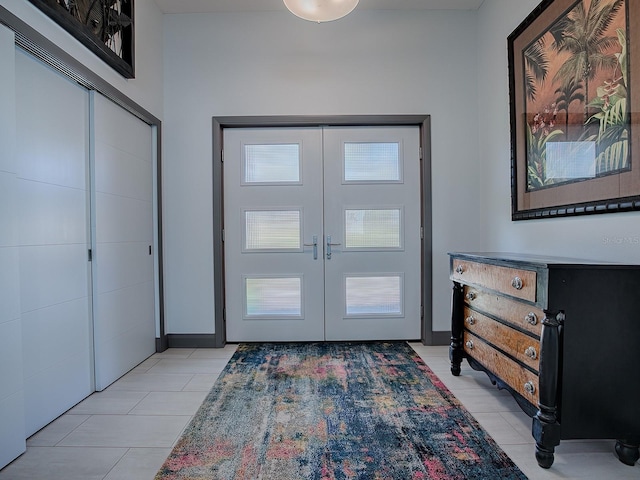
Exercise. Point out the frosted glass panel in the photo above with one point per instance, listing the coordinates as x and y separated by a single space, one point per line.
267 230
372 228
371 162
373 295
272 163
269 297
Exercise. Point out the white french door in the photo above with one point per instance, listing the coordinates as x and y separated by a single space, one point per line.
322 233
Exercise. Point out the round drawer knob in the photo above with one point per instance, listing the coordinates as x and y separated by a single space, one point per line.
471 296
459 269
469 344
531 353
530 388
531 318
471 320
516 283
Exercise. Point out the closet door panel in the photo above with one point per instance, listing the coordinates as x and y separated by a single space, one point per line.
52 137
123 275
53 121
12 438
122 173
123 219
123 265
52 214
52 274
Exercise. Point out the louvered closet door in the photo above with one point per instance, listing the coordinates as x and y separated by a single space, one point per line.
322 234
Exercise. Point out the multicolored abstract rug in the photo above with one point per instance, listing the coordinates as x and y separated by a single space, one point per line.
333 411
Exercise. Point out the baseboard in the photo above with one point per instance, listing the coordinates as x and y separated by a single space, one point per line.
188 340
162 344
438 338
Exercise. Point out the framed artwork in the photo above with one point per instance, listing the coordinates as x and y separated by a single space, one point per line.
574 78
104 26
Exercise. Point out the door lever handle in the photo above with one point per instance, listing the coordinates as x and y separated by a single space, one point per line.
314 245
329 245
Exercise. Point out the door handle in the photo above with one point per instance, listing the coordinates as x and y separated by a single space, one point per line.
314 245
329 245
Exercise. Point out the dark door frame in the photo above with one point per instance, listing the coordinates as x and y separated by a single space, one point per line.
428 336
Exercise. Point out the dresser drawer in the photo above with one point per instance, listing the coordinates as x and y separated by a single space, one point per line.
513 374
516 313
516 282
513 342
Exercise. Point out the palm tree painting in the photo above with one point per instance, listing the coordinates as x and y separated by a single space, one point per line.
576 102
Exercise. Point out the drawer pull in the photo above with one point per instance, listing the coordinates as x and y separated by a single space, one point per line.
469 344
471 320
471 296
516 283
531 353
459 269
531 318
530 388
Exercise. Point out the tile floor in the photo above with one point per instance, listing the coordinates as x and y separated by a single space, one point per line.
126 431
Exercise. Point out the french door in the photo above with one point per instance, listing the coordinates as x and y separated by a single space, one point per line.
322 233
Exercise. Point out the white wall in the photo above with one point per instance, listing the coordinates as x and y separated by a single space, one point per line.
611 237
146 88
371 62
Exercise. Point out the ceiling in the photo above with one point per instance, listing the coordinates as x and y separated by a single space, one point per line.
216 6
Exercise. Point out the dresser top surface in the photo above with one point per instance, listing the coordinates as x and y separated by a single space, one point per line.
524 259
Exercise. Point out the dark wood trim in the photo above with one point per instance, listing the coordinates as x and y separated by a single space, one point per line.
428 336
47 52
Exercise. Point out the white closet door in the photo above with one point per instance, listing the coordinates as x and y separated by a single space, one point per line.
12 438
123 282
52 161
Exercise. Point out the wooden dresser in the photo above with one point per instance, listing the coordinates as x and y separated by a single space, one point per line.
563 336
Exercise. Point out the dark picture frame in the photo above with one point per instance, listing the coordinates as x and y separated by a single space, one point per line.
106 27
575 112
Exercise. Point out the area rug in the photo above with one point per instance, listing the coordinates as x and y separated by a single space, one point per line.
333 411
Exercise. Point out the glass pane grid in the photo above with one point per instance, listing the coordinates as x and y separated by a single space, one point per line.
272 163
272 230
273 297
373 296
372 162
378 228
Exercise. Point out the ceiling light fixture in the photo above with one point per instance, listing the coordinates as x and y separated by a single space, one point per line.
321 10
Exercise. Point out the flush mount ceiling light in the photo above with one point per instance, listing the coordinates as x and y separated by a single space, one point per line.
321 10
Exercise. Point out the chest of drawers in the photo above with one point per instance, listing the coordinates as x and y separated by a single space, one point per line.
562 336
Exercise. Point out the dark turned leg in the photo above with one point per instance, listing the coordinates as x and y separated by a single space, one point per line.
545 427
456 350
628 451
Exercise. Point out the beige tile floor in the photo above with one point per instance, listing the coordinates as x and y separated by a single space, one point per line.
126 431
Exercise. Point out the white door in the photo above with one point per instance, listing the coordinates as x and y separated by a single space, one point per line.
52 209
322 233
123 274
372 214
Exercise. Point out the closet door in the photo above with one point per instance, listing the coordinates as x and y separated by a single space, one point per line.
123 282
52 116
12 441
